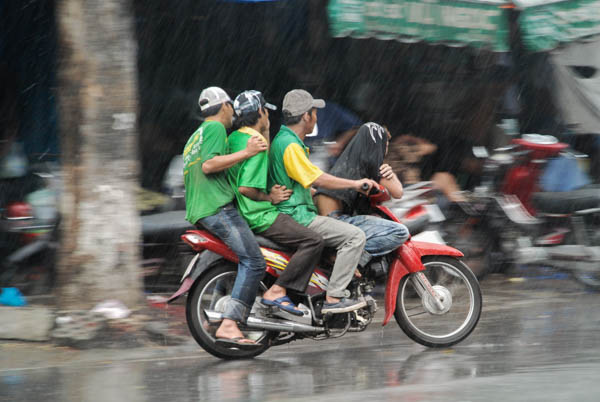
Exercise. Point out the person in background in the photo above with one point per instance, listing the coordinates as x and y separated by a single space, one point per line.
335 128
405 157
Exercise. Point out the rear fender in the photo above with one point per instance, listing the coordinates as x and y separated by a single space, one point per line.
199 264
408 261
202 240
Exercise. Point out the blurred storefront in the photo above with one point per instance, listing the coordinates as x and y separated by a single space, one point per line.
529 39
434 68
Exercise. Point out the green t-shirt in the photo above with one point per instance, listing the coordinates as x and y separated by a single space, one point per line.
205 194
252 172
300 205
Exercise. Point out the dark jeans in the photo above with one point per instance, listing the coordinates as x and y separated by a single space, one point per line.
308 245
233 230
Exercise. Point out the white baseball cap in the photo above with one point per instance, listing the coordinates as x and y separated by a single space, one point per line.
212 96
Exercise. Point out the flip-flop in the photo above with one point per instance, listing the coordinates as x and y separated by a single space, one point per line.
234 343
290 308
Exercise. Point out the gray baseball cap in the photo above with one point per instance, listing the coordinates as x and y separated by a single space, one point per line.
299 101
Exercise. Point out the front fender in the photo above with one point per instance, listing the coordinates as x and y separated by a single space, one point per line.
408 261
200 263
426 248
407 258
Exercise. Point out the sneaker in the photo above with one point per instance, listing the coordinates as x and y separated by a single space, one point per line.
343 306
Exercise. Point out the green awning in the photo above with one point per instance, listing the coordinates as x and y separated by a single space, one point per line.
453 22
547 24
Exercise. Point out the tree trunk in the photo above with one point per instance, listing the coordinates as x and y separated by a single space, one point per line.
100 226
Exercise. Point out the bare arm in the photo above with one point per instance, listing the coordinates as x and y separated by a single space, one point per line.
254 194
278 193
336 183
221 162
390 181
424 147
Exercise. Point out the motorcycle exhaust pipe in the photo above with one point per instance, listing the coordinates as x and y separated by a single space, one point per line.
269 324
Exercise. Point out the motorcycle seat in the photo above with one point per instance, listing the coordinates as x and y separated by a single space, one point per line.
165 226
264 242
416 225
566 202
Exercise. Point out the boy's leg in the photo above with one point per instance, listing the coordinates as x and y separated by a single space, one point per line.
308 246
349 242
383 236
231 228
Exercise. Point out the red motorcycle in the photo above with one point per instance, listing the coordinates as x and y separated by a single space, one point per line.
434 297
510 220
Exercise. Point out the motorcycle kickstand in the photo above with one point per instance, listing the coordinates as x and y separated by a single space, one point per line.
422 285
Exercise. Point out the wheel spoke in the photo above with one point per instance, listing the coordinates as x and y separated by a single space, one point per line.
416 314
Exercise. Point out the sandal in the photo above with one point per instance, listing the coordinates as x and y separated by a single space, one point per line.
235 343
289 308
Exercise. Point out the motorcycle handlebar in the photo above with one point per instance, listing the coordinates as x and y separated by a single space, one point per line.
374 190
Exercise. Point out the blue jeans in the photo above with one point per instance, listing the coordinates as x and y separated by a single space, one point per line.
232 229
383 236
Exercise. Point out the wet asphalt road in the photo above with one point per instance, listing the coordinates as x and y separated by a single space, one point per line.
537 340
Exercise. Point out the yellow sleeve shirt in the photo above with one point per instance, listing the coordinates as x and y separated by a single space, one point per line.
299 167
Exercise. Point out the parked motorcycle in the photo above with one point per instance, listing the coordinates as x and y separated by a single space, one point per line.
511 221
28 232
164 254
433 296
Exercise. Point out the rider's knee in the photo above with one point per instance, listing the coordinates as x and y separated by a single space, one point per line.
256 263
357 237
316 243
400 233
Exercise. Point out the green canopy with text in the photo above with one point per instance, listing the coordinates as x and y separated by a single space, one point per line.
478 23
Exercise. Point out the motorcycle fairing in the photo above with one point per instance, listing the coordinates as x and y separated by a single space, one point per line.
277 261
408 260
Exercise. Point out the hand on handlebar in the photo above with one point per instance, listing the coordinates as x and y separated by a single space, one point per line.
364 185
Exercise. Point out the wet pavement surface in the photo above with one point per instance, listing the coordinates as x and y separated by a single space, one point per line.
537 340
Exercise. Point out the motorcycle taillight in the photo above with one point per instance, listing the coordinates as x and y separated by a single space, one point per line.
19 210
194 239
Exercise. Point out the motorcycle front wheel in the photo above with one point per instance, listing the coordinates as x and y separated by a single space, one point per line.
443 325
589 277
209 295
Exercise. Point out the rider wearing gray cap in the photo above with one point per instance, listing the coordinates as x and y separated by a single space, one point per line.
290 167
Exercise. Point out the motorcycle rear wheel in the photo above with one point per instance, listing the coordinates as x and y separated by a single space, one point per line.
211 292
425 323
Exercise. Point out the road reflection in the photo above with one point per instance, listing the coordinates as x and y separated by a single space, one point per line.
522 336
